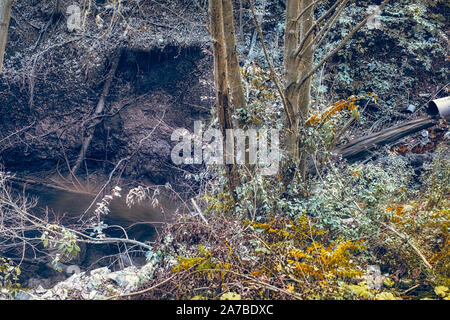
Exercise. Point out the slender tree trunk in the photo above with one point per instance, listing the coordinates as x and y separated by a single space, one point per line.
233 69
5 15
241 25
306 64
291 72
220 81
295 68
58 9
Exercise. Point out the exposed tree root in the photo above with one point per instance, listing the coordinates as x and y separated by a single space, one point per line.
98 110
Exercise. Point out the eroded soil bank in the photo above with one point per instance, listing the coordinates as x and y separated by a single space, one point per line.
153 92
50 86
53 79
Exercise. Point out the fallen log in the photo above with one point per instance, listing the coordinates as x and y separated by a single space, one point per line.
358 148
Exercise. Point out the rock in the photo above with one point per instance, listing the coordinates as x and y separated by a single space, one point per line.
5 294
73 269
373 277
39 282
127 279
89 295
97 277
147 270
22 295
100 271
348 221
99 283
40 290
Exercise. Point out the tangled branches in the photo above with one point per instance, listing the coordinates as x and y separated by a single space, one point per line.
26 236
280 259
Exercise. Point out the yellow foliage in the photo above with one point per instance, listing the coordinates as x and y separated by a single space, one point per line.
348 104
325 263
223 202
305 254
267 227
386 296
388 282
230 296
442 291
187 263
361 289
294 250
290 288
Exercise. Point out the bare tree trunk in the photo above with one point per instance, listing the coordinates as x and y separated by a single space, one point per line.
291 72
220 81
58 9
298 24
233 69
5 15
241 16
305 64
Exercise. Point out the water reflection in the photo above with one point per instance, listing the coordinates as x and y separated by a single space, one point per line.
140 221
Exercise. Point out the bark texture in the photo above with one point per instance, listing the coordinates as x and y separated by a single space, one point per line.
299 21
220 81
234 73
5 15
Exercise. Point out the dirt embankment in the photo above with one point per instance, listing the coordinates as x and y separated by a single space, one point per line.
53 79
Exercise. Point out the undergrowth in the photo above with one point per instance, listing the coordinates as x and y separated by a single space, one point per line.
359 218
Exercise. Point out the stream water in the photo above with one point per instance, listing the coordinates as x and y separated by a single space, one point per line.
141 222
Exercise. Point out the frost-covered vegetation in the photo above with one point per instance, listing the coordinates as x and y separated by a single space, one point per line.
375 228
364 230
277 243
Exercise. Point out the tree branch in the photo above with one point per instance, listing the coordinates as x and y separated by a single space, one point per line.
306 9
286 104
308 33
327 28
338 47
